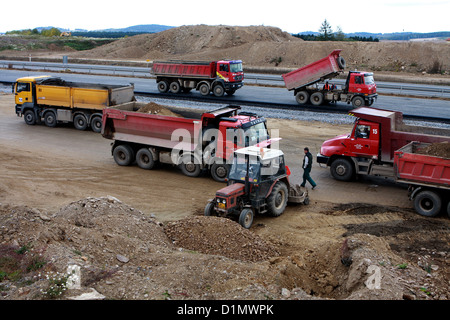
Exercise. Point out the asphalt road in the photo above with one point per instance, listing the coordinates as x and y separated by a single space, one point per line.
256 95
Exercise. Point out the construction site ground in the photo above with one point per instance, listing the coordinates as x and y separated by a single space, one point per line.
141 234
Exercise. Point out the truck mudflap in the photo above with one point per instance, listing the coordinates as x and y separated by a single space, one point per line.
297 195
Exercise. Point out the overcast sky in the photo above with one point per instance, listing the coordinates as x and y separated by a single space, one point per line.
292 16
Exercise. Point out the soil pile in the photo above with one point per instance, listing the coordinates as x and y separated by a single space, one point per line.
158 109
441 149
214 235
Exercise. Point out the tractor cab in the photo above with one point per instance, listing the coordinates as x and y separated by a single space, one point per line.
258 183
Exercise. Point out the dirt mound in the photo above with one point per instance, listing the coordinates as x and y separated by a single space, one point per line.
440 149
219 236
158 109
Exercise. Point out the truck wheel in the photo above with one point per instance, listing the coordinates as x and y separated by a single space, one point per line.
204 89
427 203
50 119
123 155
358 102
175 87
246 218
96 124
341 62
189 167
163 86
80 122
218 90
302 97
317 98
144 159
278 199
30 117
209 209
219 172
341 169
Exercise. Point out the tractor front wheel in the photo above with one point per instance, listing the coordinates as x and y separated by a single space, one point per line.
246 218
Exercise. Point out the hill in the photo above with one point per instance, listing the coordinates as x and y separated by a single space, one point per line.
270 46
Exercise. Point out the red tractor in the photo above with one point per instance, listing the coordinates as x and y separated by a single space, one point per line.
258 183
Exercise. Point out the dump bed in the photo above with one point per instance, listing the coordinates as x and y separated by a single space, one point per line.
125 123
193 69
57 92
423 164
325 68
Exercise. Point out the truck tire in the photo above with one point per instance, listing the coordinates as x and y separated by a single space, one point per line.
96 124
50 119
277 201
341 169
204 89
341 62
316 98
209 209
219 172
302 97
246 218
144 159
427 203
189 167
358 101
175 87
123 155
163 86
80 122
30 117
218 90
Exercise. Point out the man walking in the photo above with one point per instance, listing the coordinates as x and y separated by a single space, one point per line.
307 165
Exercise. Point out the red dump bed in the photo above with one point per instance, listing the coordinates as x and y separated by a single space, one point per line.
325 68
192 69
414 167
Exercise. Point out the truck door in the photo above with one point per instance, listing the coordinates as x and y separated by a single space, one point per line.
223 71
23 93
365 139
356 84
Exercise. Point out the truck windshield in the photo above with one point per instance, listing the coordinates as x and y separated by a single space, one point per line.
236 67
368 79
256 133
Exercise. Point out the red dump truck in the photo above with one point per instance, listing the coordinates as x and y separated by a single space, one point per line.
359 89
371 146
427 173
219 77
194 144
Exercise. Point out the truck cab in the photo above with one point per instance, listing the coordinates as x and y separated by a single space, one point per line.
362 84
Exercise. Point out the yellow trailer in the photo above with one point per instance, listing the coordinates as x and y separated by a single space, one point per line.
54 100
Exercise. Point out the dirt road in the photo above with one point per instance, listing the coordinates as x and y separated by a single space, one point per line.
49 168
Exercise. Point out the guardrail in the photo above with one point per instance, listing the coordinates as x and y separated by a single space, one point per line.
262 79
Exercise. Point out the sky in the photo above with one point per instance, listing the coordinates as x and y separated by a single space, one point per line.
378 16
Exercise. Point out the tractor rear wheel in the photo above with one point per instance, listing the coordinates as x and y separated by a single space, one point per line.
278 199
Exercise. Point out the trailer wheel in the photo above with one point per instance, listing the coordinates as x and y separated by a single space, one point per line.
341 169
123 155
204 89
317 98
358 102
278 199
144 159
30 117
246 218
218 90
163 86
80 122
302 97
189 167
96 124
219 172
209 209
427 203
50 119
175 87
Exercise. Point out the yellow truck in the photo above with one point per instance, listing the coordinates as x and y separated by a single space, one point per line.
52 100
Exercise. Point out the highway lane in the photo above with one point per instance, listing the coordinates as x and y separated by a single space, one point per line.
256 95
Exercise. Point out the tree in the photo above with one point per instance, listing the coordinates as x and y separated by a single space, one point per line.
326 33
339 35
